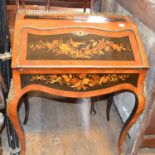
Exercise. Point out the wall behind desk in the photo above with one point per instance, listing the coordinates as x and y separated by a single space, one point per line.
141 12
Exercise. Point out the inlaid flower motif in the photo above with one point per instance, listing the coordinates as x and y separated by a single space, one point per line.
79 49
81 81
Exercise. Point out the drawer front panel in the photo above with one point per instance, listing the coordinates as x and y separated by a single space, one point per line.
79 82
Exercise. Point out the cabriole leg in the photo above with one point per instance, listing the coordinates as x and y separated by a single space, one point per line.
137 110
12 110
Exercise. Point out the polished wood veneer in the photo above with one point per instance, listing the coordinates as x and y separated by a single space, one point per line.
76 55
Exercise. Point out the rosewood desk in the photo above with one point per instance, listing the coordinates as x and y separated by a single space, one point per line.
76 55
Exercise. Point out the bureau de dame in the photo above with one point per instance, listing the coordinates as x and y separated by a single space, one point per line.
76 55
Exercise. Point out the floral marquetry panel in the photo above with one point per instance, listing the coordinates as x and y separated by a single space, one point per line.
79 82
78 45
81 40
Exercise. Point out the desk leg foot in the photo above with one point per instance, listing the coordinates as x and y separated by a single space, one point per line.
108 107
92 109
137 110
13 116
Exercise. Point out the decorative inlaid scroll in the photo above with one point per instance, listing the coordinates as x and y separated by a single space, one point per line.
79 82
73 46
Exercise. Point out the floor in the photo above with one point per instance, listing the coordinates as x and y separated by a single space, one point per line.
65 127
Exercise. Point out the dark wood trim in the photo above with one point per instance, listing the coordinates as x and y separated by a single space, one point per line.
62 3
144 10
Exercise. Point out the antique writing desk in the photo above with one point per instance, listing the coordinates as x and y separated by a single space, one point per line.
76 55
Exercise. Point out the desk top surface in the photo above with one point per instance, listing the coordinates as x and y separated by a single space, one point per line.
52 40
